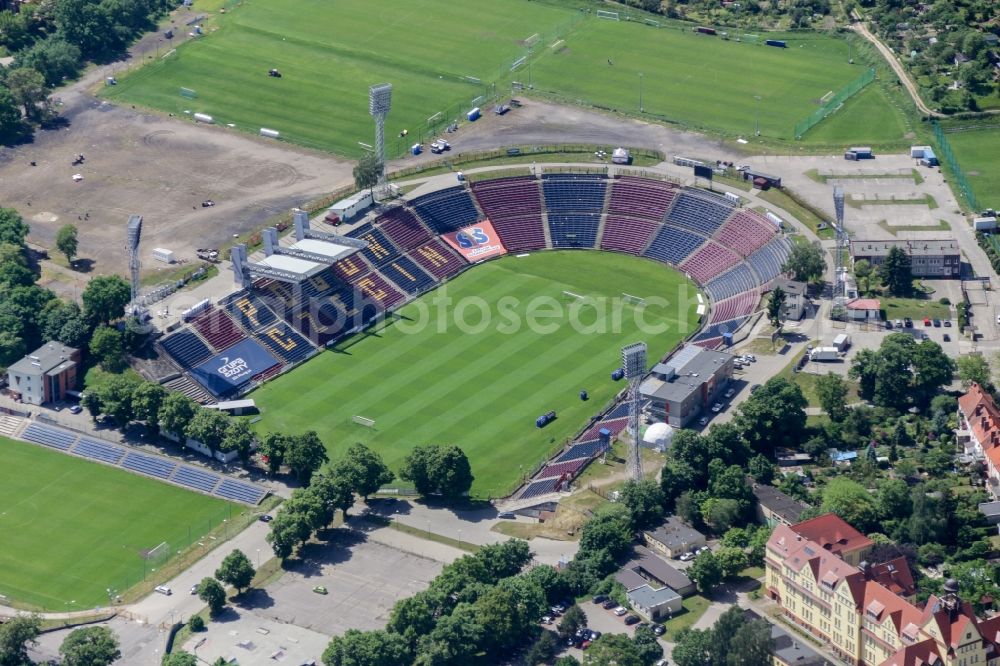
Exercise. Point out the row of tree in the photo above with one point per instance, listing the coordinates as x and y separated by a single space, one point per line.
87 646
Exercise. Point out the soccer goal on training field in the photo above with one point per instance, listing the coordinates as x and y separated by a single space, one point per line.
364 421
634 300
190 93
607 15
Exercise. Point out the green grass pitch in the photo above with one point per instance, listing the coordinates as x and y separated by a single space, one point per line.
72 528
330 52
483 390
976 152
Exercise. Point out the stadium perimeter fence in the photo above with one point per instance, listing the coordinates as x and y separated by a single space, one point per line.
958 175
834 103
153 561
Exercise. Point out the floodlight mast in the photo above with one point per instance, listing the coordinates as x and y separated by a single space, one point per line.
634 365
134 234
840 270
379 105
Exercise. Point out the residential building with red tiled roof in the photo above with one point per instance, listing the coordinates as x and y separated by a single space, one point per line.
979 432
834 534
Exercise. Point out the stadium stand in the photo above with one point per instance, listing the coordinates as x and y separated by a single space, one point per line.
506 198
446 210
625 234
321 283
565 193
190 388
713 343
737 306
404 272
218 329
537 488
375 288
91 448
278 295
768 260
262 377
321 320
615 426
574 230
735 281
701 212
585 449
186 348
284 342
619 411
160 468
438 259
198 479
521 233
559 469
745 231
641 198
240 492
710 260
380 249
717 330
403 228
350 267
672 245
51 437
249 310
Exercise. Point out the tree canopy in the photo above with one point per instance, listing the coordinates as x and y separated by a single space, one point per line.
806 261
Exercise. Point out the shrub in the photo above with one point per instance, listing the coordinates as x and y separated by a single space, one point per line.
196 623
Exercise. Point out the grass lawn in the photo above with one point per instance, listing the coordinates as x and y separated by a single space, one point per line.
915 308
711 83
804 215
329 53
72 528
427 379
976 151
694 607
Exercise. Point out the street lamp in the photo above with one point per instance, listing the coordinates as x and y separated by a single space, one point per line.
640 93
757 97
258 558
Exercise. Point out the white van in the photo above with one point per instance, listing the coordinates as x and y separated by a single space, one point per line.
163 589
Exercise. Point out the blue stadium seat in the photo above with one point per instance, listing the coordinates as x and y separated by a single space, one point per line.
240 491
186 348
249 310
672 245
581 450
106 453
735 281
52 437
574 193
404 272
537 488
446 210
284 342
768 260
574 230
198 479
154 466
700 211
380 249
718 329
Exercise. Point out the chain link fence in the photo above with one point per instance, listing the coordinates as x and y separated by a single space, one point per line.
834 103
958 175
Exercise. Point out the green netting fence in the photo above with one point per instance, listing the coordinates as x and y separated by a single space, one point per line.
958 175
834 103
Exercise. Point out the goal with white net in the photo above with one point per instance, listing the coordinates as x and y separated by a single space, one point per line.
364 421
607 15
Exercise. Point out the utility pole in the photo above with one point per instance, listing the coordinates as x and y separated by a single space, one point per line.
641 109
757 124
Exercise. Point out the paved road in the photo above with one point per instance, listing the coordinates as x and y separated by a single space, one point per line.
897 67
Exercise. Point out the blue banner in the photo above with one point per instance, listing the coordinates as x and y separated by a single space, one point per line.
233 368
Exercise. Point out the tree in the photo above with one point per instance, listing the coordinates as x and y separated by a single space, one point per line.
367 648
610 530
212 593
288 530
367 171
106 347
893 500
775 305
16 635
832 392
11 126
762 469
27 87
863 274
147 402
365 469
932 369
896 273
334 491
435 469
849 500
973 369
13 230
567 660
65 322
180 658
692 647
647 646
572 619
644 500
116 398
542 650
90 646
236 570
272 448
755 647
53 57
706 572
773 416
305 454
176 413
806 261
209 427
732 561
239 437
105 298
67 242
613 650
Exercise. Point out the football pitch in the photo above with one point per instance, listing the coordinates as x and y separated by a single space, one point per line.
473 371
441 57
976 151
72 528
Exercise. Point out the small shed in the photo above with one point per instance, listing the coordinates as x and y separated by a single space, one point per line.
864 309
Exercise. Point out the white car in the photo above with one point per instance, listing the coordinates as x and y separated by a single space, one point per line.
686 557
730 393
163 589
717 407
621 610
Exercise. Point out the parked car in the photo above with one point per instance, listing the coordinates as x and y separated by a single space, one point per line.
907 322
937 323
320 589
75 409
686 557
888 325
631 619
730 393
947 323
194 589
703 549
163 589
546 619
898 323
717 407
927 321
264 518
506 515
703 421
947 338
600 598
609 604
621 610
658 629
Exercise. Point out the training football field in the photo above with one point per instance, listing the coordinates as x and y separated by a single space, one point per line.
976 151
427 379
71 528
442 56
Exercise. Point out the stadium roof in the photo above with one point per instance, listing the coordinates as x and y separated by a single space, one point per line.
332 251
283 262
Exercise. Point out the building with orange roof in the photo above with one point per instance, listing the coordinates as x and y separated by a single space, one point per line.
866 613
979 432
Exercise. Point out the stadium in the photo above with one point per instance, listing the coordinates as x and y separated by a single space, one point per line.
316 289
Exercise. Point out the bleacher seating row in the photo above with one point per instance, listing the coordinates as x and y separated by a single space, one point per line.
735 281
374 288
249 310
186 348
520 234
745 231
565 193
641 198
559 469
438 259
380 249
627 234
699 211
768 261
574 230
157 467
538 488
446 210
710 260
405 273
403 228
737 306
217 329
285 343
672 245
712 343
505 198
189 387
719 329
587 449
